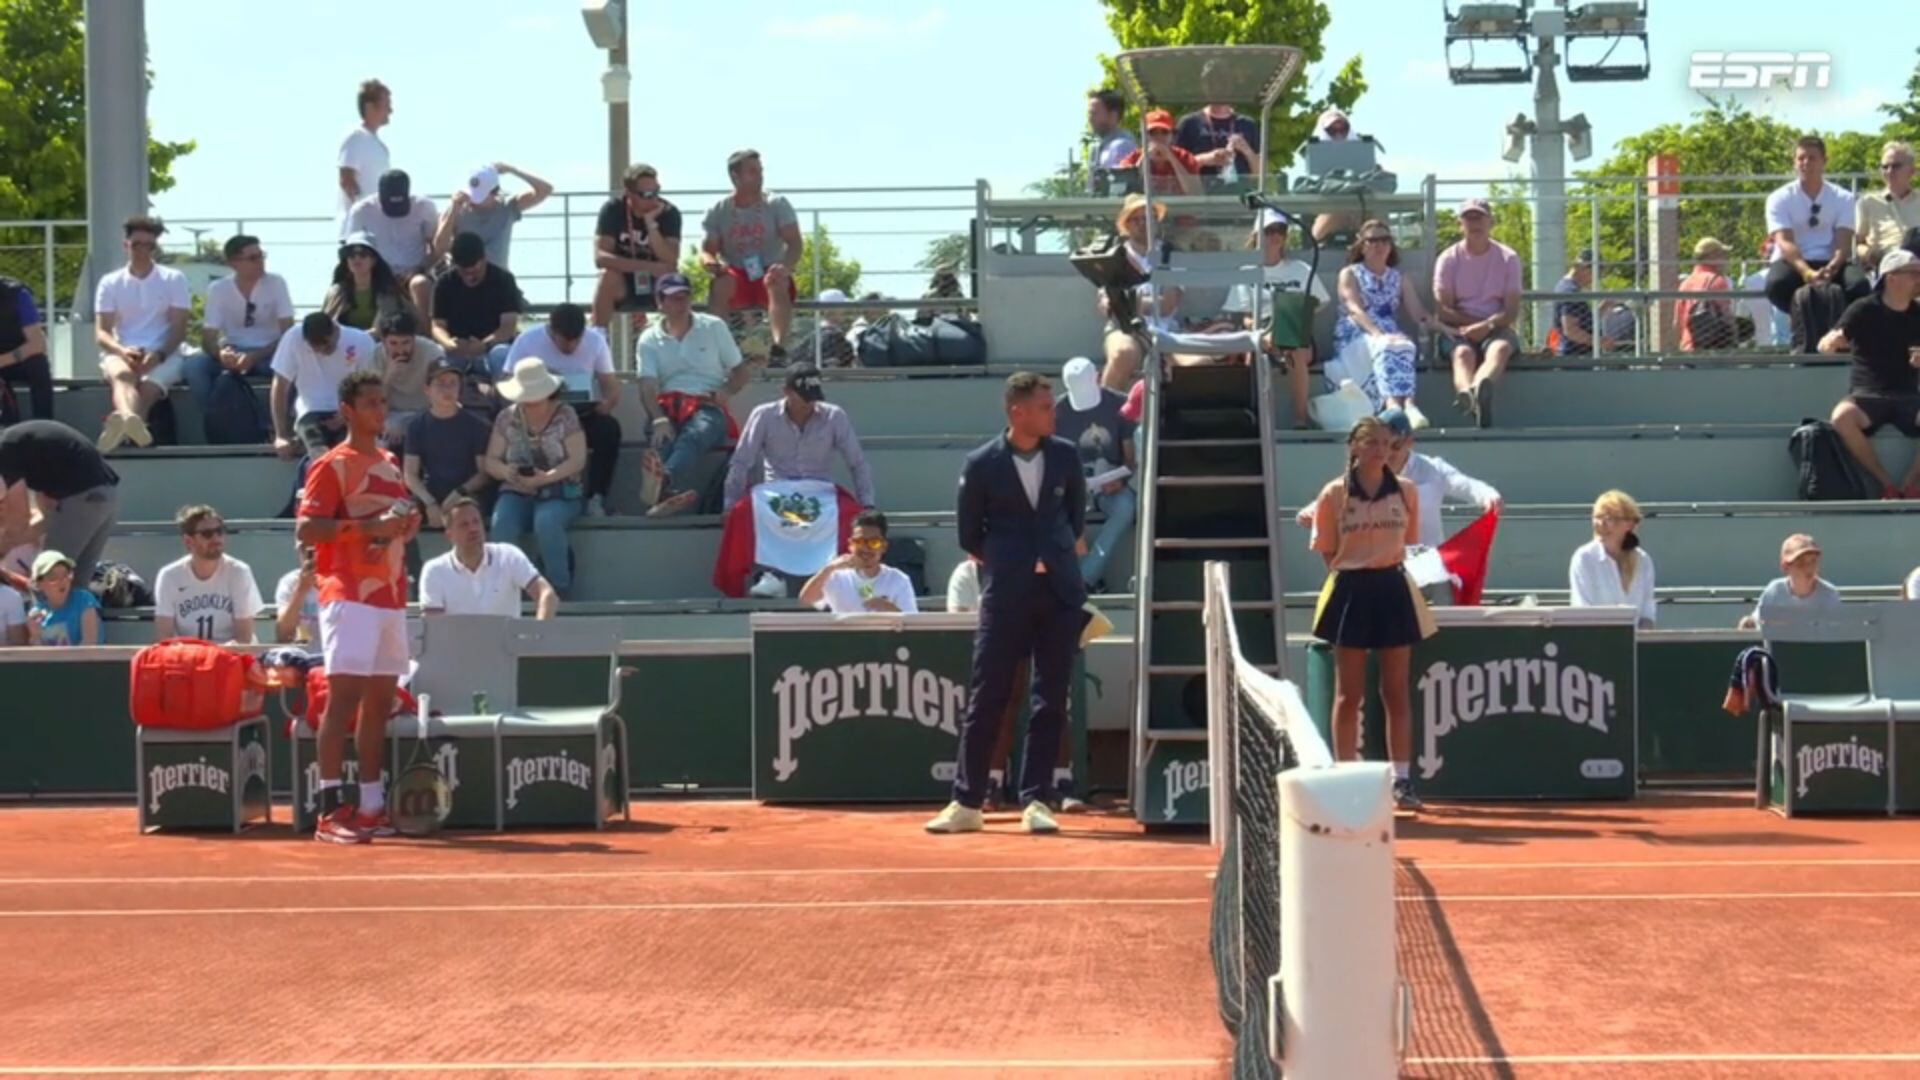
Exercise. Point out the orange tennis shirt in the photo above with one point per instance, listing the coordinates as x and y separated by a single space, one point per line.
349 485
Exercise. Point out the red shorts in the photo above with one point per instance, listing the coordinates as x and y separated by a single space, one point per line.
748 293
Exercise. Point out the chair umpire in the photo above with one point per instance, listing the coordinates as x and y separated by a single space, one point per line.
1022 510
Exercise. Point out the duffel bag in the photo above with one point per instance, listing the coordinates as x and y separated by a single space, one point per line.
193 685
895 342
404 703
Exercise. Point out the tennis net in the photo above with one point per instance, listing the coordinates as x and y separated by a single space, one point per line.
1257 727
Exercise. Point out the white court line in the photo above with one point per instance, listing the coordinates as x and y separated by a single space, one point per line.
1614 898
1671 1059
779 1065
598 875
454 909
1652 864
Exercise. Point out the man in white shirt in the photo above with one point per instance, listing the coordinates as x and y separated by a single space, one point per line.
859 582
141 330
1811 224
363 157
209 594
478 578
246 315
1913 585
582 358
307 368
404 227
689 367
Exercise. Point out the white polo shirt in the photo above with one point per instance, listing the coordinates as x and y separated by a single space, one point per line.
316 378
227 311
1790 207
447 586
143 306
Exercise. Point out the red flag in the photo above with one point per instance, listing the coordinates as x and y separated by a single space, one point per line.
1465 554
735 559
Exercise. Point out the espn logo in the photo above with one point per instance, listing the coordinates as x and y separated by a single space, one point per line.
1759 70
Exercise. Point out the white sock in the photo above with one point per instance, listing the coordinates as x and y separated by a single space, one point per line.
996 777
1063 776
327 785
1401 771
373 797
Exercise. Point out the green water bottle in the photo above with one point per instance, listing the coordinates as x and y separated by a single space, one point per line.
480 703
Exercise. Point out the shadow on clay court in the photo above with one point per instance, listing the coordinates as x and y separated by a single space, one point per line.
1453 1022
1738 839
1431 825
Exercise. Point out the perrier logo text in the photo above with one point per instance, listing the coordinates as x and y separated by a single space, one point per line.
162 779
1533 687
810 700
560 768
1814 760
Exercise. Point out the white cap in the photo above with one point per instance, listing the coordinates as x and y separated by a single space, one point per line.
1083 383
1895 260
483 183
832 296
1271 217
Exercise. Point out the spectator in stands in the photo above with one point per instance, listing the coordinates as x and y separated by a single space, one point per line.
1477 288
830 345
478 578
1225 143
363 157
859 582
1378 303
636 243
1171 170
581 357
1771 326
482 209
208 594
477 306
537 453
402 226
57 489
23 350
403 357
689 367
1124 350
13 610
307 368
1884 220
1803 593
1333 126
63 613
445 450
296 602
364 289
1912 591
1612 569
1706 325
1882 331
1088 416
1574 318
246 315
753 242
1811 223
1281 273
1111 143
141 331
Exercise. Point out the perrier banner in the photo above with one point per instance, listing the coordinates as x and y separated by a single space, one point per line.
1526 703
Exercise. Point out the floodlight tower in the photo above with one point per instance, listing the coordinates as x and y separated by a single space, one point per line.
1555 27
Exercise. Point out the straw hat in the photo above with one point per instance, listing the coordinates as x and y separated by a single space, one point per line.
1136 203
530 381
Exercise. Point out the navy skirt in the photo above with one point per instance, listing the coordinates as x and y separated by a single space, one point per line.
1371 609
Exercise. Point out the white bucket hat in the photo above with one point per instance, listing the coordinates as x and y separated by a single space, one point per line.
530 381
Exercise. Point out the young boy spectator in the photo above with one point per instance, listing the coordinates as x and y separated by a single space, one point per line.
445 447
62 614
208 594
483 210
636 242
1882 330
1170 170
1802 594
753 242
858 582
141 330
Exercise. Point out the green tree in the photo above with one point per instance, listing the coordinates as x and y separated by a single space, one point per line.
1904 115
954 251
836 270
1143 24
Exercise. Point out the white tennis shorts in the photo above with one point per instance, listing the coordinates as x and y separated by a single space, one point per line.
360 639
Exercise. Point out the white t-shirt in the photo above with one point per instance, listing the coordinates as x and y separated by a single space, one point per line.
227 311
1790 207
495 589
206 609
963 588
402 241
848 591
142 305
309 611
1289 275
364 153
1913 585
316 378
590 357
13 611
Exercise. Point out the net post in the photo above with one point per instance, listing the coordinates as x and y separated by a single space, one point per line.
1217 615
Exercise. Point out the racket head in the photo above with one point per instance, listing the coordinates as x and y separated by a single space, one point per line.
420 801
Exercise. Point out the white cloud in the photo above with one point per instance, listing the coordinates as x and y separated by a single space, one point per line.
852 26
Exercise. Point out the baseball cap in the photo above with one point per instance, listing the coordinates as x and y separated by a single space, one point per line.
1082 382
468 249
1795 546
483 183
396 193
1897 259
1272 219
1159 119
1583 257
443 366
1476 206
45 563
669 284
1397 422
832 296
1709 248
804 379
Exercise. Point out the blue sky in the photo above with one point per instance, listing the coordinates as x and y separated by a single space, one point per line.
834 93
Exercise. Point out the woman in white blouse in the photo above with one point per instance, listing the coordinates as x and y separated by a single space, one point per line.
1613 570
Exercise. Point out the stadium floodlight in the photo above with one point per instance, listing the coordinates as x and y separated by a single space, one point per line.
1517 134
1500 20
1579 136
605 20
1478 23
1608 18
1608 23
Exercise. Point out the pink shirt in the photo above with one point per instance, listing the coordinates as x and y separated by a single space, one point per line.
1480 284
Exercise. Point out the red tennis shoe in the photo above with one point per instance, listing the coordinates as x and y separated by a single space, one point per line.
342 827
380 824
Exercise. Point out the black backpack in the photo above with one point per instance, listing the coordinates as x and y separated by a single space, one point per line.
1711 326
233 414
1827 470
117 586
908 554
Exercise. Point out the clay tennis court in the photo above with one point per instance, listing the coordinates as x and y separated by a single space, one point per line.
1676 936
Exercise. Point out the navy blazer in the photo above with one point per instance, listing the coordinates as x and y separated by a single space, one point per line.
1009 535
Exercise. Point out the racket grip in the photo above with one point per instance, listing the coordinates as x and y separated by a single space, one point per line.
426 707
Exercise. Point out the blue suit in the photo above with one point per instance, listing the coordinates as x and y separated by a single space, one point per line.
1024 612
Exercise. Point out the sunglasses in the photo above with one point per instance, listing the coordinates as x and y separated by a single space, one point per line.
1813 216
208 534
869 543
649 193
359 253
251 308
1376 239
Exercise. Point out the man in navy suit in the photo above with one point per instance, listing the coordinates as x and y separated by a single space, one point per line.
1023 508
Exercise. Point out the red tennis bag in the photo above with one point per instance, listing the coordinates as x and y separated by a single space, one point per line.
194 685
404 703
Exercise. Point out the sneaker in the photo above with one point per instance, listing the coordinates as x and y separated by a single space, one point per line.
1467 405
113 432
957 819
342 827
776 355
1037 818
1071 805
378 824
1415 417
769 587
137 430
674 504
1405 799
1483 405
596 507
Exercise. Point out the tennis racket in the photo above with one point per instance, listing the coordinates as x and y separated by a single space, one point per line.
421 798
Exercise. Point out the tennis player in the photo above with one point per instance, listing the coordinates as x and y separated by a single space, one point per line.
1362 525
355 512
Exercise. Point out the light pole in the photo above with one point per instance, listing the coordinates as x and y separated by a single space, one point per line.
607 25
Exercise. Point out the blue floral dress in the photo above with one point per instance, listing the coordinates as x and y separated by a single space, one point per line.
1392 368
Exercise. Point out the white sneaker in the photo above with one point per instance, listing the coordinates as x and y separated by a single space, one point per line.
769 587
957 819
1036 818
113 432
596 507
1415 417
137 431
